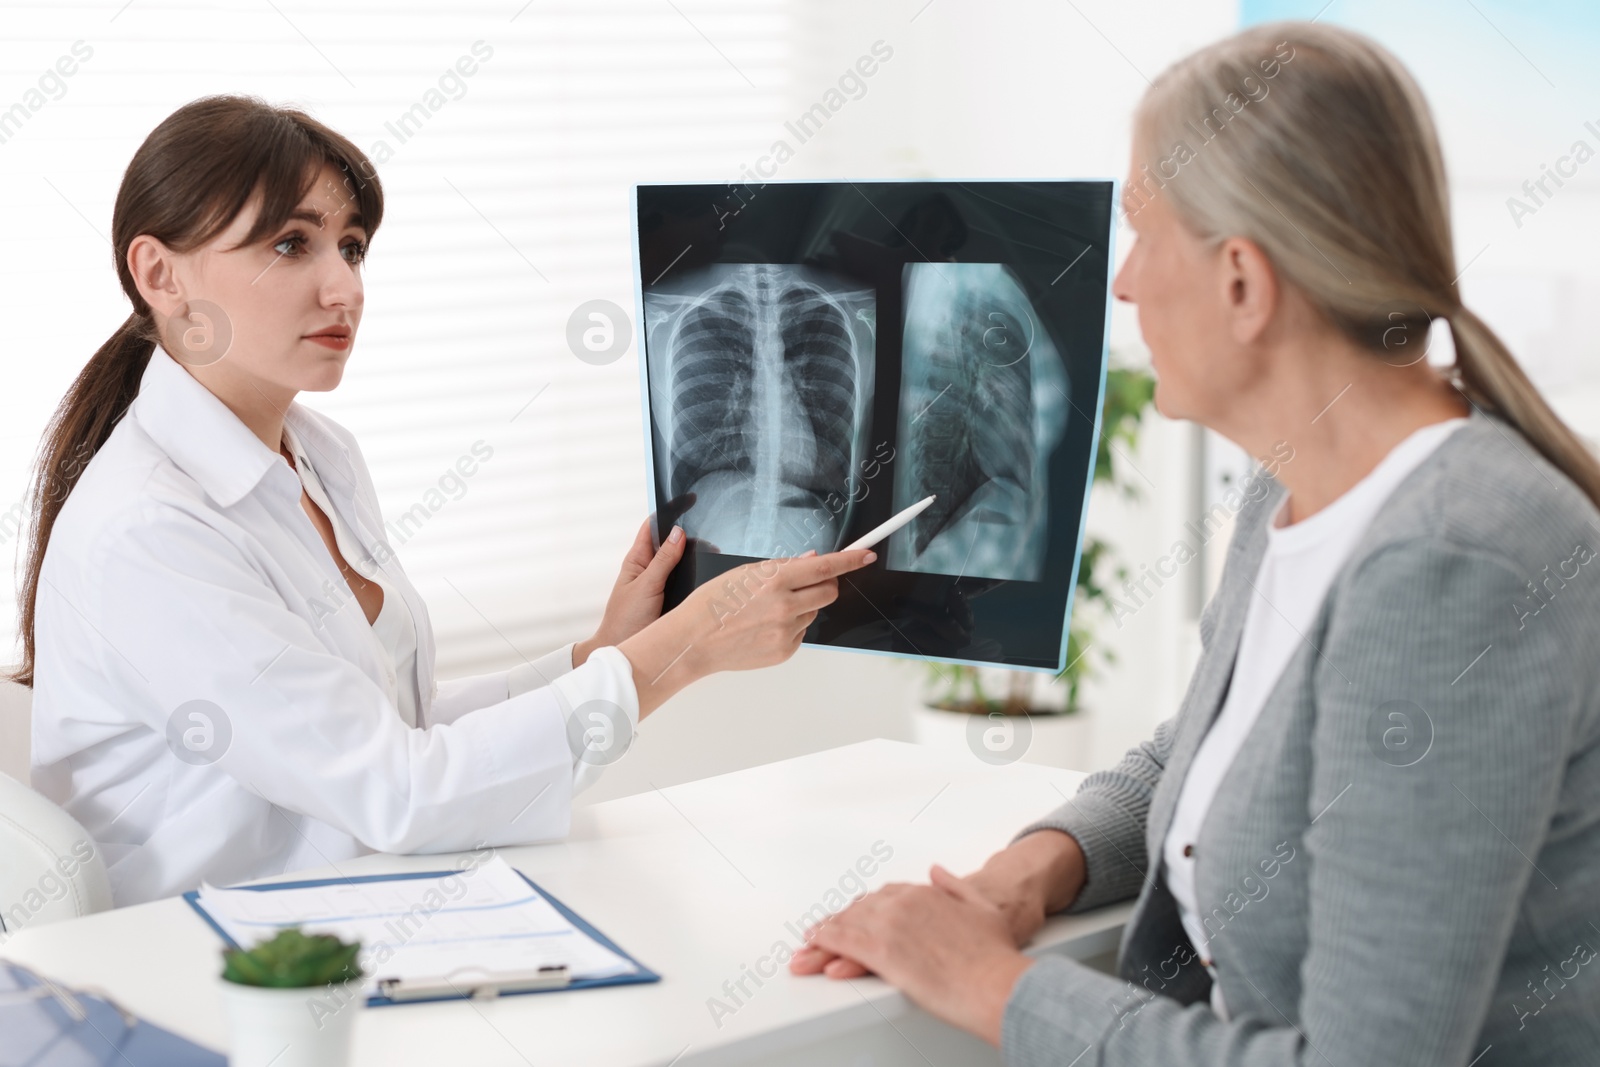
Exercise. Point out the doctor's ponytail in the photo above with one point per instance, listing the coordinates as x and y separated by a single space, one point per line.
193 175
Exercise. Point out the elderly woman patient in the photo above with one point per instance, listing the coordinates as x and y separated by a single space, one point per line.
1371 834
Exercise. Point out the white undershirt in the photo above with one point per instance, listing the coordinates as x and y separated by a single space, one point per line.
1297 568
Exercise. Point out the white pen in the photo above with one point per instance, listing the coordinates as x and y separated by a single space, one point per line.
878 533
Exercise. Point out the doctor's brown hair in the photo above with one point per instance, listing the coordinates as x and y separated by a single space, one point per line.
190 179
1332 166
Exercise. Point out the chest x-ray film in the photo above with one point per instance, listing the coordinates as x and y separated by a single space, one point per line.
818 356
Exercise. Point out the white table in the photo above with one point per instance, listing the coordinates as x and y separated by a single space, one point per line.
697 881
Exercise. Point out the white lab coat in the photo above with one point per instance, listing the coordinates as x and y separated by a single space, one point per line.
183 569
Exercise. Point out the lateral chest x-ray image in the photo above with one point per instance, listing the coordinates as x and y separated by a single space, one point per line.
983 399
818 356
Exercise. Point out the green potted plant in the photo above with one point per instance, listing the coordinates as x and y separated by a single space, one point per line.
985 691
292 1000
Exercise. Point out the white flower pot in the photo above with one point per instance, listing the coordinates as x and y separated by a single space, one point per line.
291 1027
1052 738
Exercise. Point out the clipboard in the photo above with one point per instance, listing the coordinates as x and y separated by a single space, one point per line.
48 1024
642 975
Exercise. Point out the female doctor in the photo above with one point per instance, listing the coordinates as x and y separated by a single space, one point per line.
232 674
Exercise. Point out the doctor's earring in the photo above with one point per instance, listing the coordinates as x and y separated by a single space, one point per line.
201 333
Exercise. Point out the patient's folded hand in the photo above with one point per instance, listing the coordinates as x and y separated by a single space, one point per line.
1005 881
813 960
944 945
995 884
1038 874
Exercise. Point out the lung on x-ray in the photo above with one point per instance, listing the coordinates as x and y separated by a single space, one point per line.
817 356
983 400
761 374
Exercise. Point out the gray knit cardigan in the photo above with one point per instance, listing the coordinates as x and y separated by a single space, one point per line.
1402 865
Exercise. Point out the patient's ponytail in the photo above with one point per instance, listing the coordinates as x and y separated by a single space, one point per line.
1492 377
195 173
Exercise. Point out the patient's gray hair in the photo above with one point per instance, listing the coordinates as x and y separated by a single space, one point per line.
1314 142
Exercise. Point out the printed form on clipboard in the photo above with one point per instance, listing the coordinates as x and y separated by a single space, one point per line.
485 928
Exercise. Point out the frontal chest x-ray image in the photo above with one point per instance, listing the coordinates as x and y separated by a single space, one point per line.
818 356
761 375
983 400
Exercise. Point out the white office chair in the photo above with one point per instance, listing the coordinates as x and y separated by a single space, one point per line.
50 868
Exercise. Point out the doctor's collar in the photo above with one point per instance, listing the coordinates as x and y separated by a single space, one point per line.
208 442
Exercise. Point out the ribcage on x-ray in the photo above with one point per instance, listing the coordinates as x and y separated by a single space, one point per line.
765 376
711 389
819 364
977 419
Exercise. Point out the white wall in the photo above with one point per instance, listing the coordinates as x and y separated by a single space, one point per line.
1513 89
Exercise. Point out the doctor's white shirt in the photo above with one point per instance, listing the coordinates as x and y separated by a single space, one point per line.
211 703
